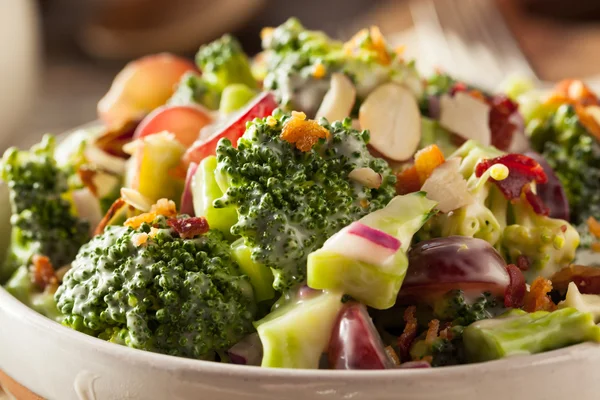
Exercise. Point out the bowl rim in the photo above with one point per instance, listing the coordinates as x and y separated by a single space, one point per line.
28 316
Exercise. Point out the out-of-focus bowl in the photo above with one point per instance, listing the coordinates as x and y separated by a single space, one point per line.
41 358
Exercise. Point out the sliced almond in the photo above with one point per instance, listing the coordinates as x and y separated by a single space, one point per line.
447 186
339 99
391 114
366 177
103 160
466 116
136 199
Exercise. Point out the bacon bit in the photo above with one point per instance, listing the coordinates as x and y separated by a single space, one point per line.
523 262
188 228
43 272
86 175
514 294
586 278
426 160
594 226
409 334
110 214
407 181
320 71
163 207
392 355
113 140
523 170
432 331
537 298
303 133
501 127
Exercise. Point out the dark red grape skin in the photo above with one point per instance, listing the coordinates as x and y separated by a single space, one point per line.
552 192
355 343
439 265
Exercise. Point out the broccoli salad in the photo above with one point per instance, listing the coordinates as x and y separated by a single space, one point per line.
320 205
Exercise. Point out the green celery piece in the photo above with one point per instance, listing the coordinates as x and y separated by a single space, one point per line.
375 286
234 97
367 283
260 276
537 332
204 191
20 285
296 335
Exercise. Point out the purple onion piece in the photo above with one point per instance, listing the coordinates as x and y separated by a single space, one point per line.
433 103
415 364
247 351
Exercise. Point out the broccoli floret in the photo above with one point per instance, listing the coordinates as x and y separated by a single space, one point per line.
289 201
299 63
574 155
455 308
43 221
150 289
223 62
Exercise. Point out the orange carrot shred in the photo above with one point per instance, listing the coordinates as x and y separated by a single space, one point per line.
537 298
426 160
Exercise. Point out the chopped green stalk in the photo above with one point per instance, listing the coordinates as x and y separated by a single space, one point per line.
374 285
296 335
528 334
433 133
234 97
260 276
205 191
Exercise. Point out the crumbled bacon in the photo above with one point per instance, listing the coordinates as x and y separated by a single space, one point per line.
43 272
409 334
113 140
303 133
537 298
433 329
110 214
522 171
188 228
514 294
586 278
407 181
501 127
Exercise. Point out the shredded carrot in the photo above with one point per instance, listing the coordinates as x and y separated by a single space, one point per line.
43 271
319 71
426 160
86 175
575 92
537 298
370 39
432 331
594 226
163 207
407 181
303 133
110 214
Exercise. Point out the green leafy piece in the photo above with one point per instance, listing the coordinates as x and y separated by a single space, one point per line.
260 276
43 221
374 285
205 190
296 335
183 297
537 332
289 201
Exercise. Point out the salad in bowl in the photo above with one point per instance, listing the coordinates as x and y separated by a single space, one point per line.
320 206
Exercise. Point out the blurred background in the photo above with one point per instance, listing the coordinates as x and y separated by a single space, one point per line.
61 55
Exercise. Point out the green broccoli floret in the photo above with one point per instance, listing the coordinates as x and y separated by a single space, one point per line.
150 289
289 201
455 308
574 155
299 63
43 221
223 62
528 334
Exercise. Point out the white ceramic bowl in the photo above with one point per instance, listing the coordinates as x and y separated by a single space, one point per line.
40 357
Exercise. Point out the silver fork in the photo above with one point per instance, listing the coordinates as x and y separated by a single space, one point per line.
470 40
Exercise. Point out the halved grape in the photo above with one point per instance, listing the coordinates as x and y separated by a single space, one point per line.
552 193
